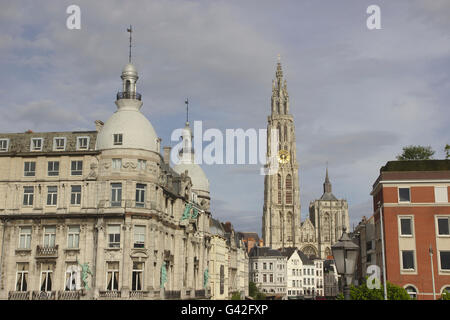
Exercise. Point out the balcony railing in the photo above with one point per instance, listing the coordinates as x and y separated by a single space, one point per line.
69 295
110 294
47 252
172 294
138 294
19 295
44 295
128 95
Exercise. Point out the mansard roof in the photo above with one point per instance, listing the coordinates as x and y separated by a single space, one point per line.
20 143
264 252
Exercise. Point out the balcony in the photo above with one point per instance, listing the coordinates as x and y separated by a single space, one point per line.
128 95
47 252
172 294
138 294
69 295
43 295
19 295
110 294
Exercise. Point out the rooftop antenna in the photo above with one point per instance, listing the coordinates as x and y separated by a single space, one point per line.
130 30
187 110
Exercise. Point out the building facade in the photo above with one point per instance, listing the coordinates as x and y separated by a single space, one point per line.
330 279
413 197
101 214
281 225
267 269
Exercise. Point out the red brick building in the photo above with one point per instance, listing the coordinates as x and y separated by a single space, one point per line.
414 200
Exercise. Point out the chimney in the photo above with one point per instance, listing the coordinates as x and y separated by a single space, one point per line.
98 125
167 155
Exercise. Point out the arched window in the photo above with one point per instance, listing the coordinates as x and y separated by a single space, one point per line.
285 133
278 106
281 226
411 291
279 189
279 132
289 189
285 108
289 227
127 86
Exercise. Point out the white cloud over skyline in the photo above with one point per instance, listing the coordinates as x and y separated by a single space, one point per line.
357 96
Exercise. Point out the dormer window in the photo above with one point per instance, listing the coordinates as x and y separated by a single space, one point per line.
36 144
82 143
4 144
117 139
59 144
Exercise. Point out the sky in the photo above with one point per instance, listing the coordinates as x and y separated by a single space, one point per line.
358 96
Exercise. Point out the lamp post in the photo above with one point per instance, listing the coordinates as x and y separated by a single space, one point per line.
432 271
345 253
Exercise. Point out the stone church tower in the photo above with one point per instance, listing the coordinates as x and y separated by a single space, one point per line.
281 212
329 216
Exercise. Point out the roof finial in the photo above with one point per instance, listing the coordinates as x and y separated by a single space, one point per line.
187 111
279 58
130 30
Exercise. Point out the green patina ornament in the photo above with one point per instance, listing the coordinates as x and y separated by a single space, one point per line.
205 278
186 212
85 271
163 275
194 213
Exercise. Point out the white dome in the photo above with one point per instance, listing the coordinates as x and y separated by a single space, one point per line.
129 70
137 132
198 176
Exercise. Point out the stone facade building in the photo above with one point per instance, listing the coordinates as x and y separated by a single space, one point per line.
103 200
281 225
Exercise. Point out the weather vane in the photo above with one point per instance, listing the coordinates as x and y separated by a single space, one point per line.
130 30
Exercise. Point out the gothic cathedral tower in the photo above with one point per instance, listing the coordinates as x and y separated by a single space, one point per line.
281 212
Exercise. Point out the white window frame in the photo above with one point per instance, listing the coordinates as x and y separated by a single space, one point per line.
414 261
141 271
53 169
115 201
114 244
79 147
7 145
398 194
26 236
48 271
411 218
141 164
117 142
49 238
141 194
22 273
116 163
58 148
32 146
27 195
444 193
53 196
139 237
113 272
76 194
446 271
24 171
436 219
73 237
77 169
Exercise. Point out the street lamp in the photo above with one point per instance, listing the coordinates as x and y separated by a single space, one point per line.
345 253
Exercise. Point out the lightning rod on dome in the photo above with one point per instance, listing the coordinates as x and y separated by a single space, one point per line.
130 30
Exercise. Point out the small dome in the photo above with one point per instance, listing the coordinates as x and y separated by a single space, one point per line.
137 132
129 70
198 176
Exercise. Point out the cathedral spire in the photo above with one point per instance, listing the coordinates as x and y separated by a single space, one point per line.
279 73
327 183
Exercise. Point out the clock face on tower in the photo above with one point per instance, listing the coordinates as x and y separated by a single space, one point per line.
283 156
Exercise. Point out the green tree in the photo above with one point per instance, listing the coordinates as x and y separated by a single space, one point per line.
445 295
447 151
236 296
394 292
416 153
254 292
